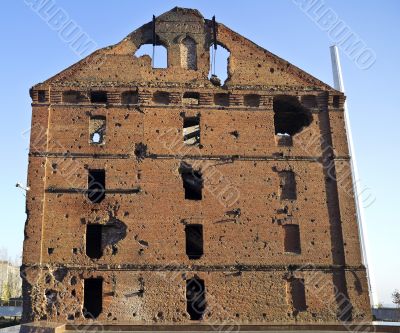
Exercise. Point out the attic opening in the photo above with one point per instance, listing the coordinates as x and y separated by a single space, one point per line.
188 51
93 241
161 97
195 298
93 297
287 185
73 96
98 97
290 117
296 294
192 181
158 54
191 130
191 98
41 96
292 238
194 241
97 129
129 97
221 99
219 65
251 100
96 185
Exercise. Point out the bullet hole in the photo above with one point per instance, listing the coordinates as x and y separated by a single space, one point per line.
140 151
235 134
73 281
50 250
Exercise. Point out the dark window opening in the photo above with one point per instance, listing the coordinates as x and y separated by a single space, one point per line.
161 97
297 294
96 185
290 117
98 97
309 101
160 54
287 185
251 100
221 99
74 97
191 98
292 238
94 241
188 53
336 101
219 65
93 297
192 182
191 130
97 129
194 241
41 96
195 298
129 97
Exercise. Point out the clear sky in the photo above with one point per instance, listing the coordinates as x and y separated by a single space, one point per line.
32 51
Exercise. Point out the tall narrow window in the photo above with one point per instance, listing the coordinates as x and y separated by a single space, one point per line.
287 186
195 298
96 185
98 97
219 65
191 130
93 297
93 241
296 294
292 238
97 129
194 241
192 182
188 53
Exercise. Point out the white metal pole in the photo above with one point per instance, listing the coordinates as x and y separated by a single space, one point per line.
339 85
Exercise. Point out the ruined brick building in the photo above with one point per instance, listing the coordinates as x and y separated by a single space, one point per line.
161 195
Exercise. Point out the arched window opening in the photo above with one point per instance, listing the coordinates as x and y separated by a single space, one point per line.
219 65
160 53
188 53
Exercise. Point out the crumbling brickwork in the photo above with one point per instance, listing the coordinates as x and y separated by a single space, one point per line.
159 196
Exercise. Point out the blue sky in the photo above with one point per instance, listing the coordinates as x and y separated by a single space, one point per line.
32 52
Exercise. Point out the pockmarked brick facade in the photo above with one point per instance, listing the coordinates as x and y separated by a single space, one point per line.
162 195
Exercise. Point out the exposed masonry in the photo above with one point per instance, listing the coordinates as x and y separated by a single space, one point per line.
165 195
